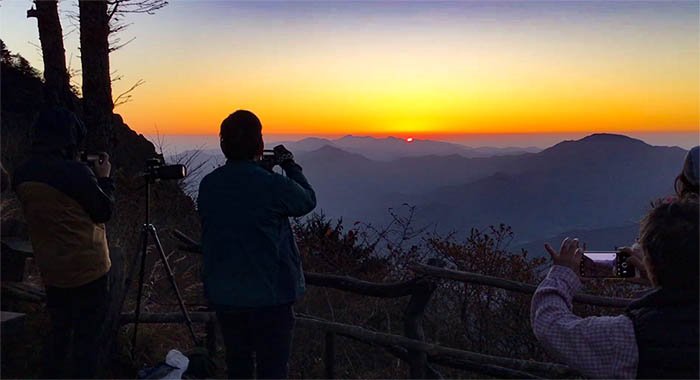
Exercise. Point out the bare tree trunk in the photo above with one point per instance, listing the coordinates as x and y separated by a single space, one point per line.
56 78
97 114
97 83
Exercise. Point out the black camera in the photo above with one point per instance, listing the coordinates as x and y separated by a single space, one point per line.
156 170
91 158
273 157
268 159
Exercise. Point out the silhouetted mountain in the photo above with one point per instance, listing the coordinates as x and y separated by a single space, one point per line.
306 145
392 148
597 183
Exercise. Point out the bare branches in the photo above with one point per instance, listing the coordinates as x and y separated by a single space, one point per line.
126 96
196 162
120 7
115 43
117 11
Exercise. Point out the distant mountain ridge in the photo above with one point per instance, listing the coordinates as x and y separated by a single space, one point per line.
600 181
597 183
391 148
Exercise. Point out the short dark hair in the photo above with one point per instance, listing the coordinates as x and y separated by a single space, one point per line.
241 136
670 238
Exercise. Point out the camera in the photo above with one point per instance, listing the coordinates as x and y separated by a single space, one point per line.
90 158
606 264
157 170
273 157
268 159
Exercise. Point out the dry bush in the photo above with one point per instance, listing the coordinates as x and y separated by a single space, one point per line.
464 316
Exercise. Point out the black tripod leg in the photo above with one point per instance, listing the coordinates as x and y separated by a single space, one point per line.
171 277
142 272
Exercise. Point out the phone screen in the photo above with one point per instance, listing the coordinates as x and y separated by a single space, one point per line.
605 264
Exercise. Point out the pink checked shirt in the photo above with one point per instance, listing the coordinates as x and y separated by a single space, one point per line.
598 347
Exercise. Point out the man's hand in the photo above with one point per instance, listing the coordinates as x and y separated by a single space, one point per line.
102 167
570 255
282 155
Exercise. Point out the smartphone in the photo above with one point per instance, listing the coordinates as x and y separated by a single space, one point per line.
267 160
91 158
606 264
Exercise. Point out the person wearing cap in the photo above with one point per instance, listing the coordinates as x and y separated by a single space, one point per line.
688 182
252 271
65 204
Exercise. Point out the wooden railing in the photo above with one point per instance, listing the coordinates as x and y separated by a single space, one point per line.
412 348
514 286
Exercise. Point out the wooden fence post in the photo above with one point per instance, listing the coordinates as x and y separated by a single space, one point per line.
329 355
413 326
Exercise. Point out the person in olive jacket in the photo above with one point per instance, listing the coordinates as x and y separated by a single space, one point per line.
66 203
252 270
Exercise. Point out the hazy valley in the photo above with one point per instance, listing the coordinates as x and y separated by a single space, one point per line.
597 187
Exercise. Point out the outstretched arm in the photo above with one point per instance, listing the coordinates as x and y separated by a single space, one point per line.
598 347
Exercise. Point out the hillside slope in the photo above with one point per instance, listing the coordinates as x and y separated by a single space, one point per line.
599 181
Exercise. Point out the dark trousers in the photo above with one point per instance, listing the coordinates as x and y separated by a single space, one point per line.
257 339
76 315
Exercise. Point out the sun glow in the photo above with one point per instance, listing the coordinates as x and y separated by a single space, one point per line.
375 68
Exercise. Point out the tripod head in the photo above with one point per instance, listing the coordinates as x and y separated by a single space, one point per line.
156 170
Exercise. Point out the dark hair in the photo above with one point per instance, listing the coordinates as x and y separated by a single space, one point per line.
684 188
670 237
57 130
241 136
688 182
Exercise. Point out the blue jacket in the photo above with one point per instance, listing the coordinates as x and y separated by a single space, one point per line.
250 256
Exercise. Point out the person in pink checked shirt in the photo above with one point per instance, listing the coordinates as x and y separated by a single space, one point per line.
657 336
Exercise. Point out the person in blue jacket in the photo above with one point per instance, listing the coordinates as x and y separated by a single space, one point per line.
252 270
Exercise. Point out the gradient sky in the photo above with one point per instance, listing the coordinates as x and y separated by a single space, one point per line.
402 68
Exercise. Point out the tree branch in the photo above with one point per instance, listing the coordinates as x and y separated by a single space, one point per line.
125 96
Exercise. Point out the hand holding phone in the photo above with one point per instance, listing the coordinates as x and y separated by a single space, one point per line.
102 167
569 255
606 264
636 259
98 162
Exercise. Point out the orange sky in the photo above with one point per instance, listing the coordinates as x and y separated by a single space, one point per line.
408 68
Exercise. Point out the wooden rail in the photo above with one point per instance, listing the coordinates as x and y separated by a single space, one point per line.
412 348
23 291
365 288
400 289
496 365
475 278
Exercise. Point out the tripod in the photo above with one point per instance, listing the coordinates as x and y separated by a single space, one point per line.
148 230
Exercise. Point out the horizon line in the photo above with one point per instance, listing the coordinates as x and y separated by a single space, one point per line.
394 134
